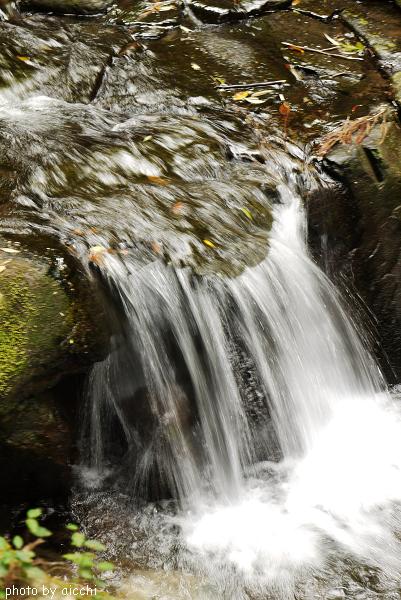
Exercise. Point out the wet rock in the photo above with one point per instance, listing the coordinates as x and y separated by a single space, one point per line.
363 228
223 11
47 344
181 180
68 6
63 59
378 25
43 335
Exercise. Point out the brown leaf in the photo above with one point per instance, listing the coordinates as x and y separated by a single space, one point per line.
158 180
156 247
96 254
296 48
285 109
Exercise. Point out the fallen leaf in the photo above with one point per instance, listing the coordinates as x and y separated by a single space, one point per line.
147 138
10 250
156 247
219 80
332 40
157 179
284 109
253 100
209 243
247 213
177 207
296 48
195 67
23 58
261 93
95 254
131 47
2 268
241 95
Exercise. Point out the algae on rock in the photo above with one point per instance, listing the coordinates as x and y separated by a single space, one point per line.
35 317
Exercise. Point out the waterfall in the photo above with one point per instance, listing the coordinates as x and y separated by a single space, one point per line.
257 404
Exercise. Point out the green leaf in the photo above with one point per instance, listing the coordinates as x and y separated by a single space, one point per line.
34 513
4 545
82 559
25 556
3 570
95 545
34 573
86 573
2 594
105 566
18 542
72 527
78 539
36 529
8 557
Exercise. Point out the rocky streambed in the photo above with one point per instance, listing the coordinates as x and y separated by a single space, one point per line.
147 129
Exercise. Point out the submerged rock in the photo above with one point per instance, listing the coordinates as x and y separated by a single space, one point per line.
68 6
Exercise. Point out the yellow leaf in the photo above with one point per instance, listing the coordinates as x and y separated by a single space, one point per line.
195 67
241 95
10 250
261 93
209 243
247 213
2 268
253 100
23 58
147 138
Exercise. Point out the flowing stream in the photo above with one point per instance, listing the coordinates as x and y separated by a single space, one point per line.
272 430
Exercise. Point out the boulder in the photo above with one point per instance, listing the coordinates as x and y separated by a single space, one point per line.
362 227
47 344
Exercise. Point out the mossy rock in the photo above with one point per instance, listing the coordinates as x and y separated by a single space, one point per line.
36 318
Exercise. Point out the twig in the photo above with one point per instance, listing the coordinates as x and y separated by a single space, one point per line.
307 49
245 86
324 18
352 131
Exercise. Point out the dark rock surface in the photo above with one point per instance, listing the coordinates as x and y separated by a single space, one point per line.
83 7
362 230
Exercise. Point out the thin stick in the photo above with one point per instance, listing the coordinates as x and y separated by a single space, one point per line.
307 49
245 86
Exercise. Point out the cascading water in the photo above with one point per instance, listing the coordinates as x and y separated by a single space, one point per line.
271 425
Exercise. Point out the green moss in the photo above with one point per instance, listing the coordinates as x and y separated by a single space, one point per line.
34 316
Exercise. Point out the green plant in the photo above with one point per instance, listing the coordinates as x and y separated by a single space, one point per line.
20 565
18 561
87 563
